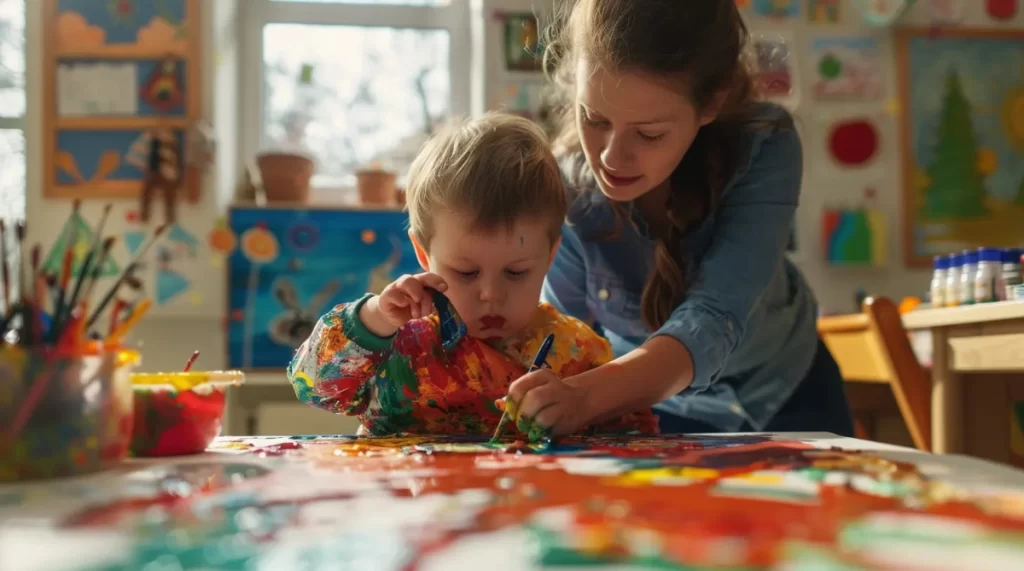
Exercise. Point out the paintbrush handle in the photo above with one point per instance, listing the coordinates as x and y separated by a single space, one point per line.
127 324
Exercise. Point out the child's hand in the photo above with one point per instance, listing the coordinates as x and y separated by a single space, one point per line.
401 301
544 404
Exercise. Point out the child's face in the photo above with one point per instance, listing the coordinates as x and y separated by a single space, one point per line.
634 129
494 278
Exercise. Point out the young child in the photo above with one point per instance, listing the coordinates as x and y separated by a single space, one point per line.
486 204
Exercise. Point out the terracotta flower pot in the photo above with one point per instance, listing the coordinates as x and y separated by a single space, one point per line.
376 187
285 176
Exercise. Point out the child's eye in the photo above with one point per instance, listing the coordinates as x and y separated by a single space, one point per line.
516 274
650 138
467 274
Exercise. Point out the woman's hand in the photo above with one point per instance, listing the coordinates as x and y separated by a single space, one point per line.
544 405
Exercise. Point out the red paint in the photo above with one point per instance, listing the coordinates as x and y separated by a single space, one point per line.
172 423
277 449
853 142
1001 9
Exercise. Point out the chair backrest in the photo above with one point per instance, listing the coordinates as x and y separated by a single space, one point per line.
873 347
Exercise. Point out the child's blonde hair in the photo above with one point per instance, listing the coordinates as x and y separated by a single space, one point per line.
497 168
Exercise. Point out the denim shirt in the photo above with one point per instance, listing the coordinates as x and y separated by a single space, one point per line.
748 318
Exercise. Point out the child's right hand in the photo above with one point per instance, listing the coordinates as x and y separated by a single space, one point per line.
403 300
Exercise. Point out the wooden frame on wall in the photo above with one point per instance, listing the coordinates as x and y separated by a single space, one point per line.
962 139
78 33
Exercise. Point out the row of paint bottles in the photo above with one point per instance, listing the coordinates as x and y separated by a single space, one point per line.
975 276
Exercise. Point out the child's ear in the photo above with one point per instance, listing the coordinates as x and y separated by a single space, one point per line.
421 252
554 250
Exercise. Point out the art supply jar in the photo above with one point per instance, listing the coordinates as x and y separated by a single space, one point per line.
987 273
940 267
1009 277
967 271
956 262
64 411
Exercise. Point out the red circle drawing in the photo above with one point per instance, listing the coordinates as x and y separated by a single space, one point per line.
854 142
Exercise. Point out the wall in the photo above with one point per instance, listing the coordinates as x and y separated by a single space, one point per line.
835 286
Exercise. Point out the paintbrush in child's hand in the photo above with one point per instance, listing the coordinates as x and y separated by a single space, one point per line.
538 362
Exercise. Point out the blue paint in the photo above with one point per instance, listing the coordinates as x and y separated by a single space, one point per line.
337 253
125 30
87 147
169 285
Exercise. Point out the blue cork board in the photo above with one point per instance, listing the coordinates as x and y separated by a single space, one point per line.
338 255
87 148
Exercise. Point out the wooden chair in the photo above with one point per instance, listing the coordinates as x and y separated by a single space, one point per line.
873 347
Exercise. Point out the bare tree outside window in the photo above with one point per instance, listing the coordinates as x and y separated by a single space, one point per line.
12 114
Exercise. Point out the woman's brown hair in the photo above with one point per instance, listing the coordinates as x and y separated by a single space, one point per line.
700 42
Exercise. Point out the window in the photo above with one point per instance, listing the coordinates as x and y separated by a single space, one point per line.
12 109
357 83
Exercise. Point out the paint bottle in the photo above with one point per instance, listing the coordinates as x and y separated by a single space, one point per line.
988 272
956 262
940 268
967 270
1009 277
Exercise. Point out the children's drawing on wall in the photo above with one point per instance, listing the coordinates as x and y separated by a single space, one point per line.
846 68
291 266
852 142
774 66
777 8
883 12
1001 9
854 236
964 112
823 11
88 25
80 238
523 50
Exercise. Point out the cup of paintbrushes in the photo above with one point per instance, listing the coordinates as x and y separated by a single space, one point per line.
66 410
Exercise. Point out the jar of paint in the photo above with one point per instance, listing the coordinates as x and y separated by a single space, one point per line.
179 413
940 267
967 270
986 275
65 411
956 262
1009 276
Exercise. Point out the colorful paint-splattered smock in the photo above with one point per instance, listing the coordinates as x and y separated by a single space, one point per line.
407 383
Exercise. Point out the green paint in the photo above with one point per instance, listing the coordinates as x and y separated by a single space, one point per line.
830 67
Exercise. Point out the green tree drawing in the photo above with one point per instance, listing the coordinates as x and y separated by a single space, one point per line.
956 189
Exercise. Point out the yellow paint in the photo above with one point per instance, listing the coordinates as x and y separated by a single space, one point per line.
876 222
648 476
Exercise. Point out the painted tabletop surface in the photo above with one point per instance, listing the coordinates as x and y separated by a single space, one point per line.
794 502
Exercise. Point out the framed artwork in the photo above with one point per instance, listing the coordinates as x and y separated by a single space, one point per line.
116 74
293 265
962 93
523 51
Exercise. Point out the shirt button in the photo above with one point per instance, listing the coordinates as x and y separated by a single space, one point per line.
603 295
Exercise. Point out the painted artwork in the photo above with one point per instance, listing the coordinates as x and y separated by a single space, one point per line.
963 101
431 504
91 157
846 68
883 12
523 51
121 26
147 88
854 236
291 266
774 66
777 8
824 11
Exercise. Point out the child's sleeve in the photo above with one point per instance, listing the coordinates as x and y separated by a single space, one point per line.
335 367
588 349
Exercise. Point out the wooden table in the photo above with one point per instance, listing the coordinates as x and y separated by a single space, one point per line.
984 338
742 501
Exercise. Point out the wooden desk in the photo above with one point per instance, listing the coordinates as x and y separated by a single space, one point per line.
983 338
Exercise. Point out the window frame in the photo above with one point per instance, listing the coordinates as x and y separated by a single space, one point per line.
255 14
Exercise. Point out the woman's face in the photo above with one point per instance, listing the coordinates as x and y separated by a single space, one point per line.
634 129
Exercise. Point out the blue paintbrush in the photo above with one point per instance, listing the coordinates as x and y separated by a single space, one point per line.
452 327
538 362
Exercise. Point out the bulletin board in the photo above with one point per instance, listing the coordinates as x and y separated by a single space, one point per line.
115 74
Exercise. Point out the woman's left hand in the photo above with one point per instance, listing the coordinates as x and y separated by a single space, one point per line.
548 405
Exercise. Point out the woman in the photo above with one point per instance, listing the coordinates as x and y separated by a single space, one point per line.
683 192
